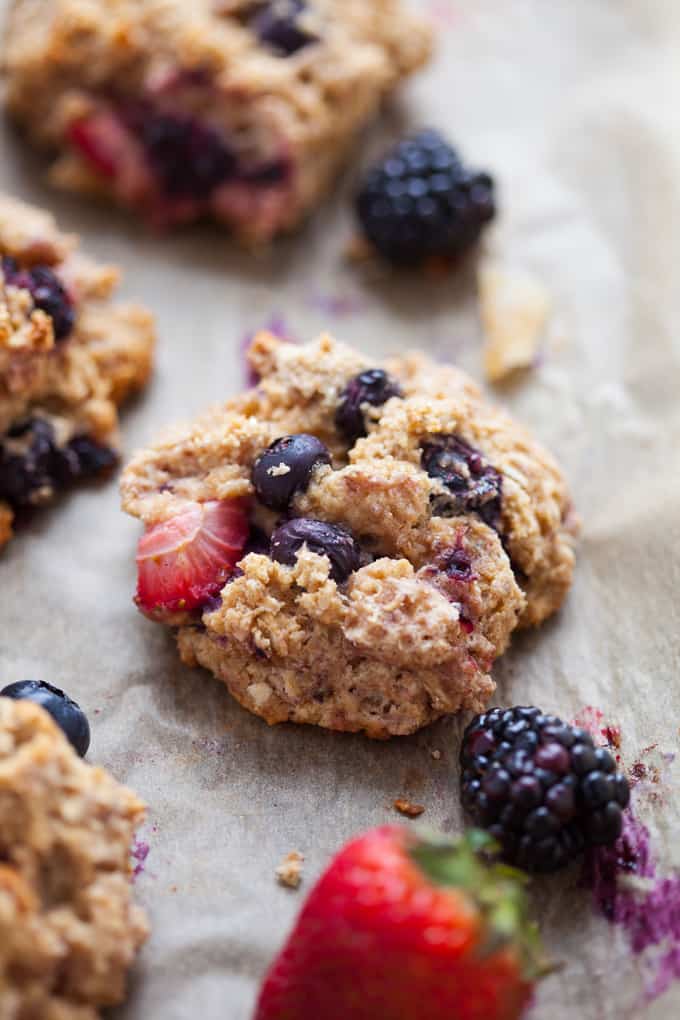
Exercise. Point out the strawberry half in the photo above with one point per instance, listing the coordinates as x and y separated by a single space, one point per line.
186 560
403 928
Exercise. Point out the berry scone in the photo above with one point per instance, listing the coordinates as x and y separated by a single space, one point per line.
69 929
239 110
348 544
68 357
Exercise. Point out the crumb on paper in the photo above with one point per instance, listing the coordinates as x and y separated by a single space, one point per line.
405 807
514 307
436 753
289 871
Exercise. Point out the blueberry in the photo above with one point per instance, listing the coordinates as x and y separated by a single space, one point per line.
33 465
473 485
47 291
285 468
67 714
277 25
373 387
324 539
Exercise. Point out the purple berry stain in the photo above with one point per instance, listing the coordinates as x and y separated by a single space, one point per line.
627 887
139 853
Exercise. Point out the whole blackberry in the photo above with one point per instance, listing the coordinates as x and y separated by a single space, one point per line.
540 787
420 201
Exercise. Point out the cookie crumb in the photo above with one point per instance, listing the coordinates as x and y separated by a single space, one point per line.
289 871
436 753
514 307
405 807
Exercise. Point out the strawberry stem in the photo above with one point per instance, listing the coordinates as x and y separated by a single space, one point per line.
497 890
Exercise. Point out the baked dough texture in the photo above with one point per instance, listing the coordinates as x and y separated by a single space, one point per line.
86 79
74 384
412 633
69 929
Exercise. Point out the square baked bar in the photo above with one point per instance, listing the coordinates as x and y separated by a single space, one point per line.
68 357
239 110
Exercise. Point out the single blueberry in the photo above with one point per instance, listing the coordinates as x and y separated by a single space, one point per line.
329 540
285 468
47 291
374 387
277 25
67 714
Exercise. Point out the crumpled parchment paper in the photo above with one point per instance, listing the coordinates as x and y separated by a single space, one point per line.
574 107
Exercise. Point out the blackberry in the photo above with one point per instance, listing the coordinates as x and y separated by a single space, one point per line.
47 291
473 485
285 468
189 158
420 201
33 465
374 387
540 787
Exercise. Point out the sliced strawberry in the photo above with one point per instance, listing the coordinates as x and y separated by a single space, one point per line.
186 560
98 137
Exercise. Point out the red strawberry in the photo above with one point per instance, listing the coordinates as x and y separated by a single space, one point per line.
184 561
400 928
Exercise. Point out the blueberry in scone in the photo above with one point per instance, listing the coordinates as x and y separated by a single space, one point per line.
420 202
354 555
241 111
66 712
69 928
68 358
540 786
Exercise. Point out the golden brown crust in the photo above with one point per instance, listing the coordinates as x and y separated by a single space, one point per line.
62 56
405 640
69 930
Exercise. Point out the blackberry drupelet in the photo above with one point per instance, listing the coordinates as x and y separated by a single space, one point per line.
420 201
540 786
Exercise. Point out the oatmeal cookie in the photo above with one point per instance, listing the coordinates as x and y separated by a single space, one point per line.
348 544
68 357
69 930
239 110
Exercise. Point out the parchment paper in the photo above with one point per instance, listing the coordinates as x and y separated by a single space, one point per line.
574 107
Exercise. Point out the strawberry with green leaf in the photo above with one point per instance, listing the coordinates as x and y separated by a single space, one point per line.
406 927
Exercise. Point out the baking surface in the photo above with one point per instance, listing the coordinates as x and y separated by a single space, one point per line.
573 106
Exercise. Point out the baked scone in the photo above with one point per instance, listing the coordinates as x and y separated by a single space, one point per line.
68 357
239 110
350 545
69 929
